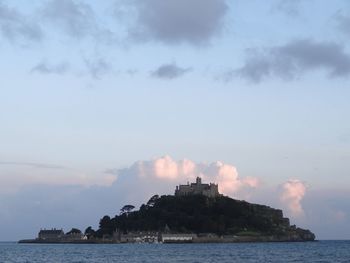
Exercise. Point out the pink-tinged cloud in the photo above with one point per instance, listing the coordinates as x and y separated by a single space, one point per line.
293 192
251 181
226 176
340 215
179 172
166 168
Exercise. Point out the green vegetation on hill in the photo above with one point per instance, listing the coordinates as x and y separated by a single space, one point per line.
199 214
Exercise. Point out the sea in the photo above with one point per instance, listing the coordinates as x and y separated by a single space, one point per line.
319 251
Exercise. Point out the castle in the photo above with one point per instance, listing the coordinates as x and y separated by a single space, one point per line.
197 188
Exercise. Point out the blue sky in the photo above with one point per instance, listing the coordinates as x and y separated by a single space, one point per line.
88 89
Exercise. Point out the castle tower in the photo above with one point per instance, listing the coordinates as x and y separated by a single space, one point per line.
197 188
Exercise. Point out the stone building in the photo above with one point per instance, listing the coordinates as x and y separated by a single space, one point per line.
197 188
50 234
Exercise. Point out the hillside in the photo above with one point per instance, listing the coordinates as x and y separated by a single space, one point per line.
201 214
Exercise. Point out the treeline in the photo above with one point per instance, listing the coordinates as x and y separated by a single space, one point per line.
192 214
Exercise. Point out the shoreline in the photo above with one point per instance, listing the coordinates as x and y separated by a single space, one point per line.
265 239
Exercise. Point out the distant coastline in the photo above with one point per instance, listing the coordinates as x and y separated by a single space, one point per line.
233 239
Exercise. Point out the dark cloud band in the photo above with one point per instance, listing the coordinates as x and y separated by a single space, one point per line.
292 60
180 21
170 71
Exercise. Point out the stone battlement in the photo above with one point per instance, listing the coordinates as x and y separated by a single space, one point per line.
197 188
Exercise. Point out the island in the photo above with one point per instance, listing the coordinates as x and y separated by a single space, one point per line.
196 213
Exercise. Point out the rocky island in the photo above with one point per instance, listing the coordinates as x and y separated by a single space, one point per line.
197 213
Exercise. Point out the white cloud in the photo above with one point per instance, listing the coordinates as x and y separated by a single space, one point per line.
293 192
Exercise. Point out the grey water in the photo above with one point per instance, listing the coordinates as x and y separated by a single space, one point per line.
321 251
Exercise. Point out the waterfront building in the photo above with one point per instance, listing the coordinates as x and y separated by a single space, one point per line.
50 234
178 238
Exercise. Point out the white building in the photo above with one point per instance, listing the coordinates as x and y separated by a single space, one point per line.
178 238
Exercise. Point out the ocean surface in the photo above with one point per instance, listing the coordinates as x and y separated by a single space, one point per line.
321 251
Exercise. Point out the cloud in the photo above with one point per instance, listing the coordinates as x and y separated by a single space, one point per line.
75 18
97 67
16 26
35 165
343 22
170 71
291 60
16 175
289 7
293 192
168 172
340 215
327 212
45 68
172 22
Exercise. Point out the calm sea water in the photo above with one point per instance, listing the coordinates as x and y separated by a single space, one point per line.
322 251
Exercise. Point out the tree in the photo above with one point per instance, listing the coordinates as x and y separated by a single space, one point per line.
106 227
126 209
105 222
74 231
151 202
89 231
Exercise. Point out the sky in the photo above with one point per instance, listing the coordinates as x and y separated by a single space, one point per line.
105 103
